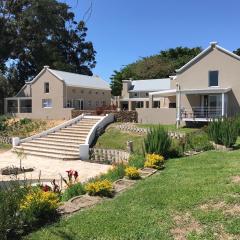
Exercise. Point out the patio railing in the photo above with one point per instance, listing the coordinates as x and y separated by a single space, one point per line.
201 112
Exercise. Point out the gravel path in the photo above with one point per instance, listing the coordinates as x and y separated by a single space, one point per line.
50 168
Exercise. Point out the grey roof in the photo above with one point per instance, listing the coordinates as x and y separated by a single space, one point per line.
79 80
150 85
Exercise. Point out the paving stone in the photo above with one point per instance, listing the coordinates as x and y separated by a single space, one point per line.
78 203
146 172
123 184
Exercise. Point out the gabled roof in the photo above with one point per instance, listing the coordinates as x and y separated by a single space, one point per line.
213 45
76 80
150 85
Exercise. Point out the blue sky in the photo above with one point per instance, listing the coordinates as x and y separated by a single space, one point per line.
122 31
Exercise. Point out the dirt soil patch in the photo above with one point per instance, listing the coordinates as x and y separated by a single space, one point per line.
184 225
236 179
229 209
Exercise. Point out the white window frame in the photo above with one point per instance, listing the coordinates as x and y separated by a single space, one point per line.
47 103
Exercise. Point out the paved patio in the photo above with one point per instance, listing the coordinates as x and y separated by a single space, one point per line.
50 168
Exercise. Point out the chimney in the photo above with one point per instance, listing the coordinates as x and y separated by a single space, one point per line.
213 44
45 67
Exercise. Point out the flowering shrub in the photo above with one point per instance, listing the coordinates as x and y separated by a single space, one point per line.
154 161
72 191
72 177
100 188
38 206
132 173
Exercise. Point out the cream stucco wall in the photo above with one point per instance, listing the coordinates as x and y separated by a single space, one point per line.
197 76
92 98
156 115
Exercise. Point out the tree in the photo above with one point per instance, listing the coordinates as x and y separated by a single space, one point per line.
34 33
237 51
156 66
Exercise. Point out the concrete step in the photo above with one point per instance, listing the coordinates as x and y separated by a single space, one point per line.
52 142
63 134
65 147
69 132
65 137
63 140
51 155
48 150
75 130
88 128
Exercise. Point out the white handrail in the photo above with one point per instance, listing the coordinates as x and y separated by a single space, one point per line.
84 148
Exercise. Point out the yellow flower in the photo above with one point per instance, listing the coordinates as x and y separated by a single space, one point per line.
101 188
132 173
154 161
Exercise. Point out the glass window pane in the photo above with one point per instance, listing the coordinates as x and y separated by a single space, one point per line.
213 78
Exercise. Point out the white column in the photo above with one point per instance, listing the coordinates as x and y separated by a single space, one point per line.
129 105
144 104
178 98
18 107
150 101
223 103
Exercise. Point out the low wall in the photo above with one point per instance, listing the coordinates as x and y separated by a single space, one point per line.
108 156
156 115
119 116
6 140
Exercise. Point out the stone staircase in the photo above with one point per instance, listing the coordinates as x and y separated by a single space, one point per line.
62 144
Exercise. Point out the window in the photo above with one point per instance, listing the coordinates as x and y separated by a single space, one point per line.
96 93
97 103
135 94
46 87
89 103
90 92
103 103
147 94
69 103
213 79
103 93
47 103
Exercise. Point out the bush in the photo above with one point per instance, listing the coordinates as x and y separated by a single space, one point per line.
103 188
177 148
73 191
223 131
11 222
198 141
157 141
25 121
136 160
39 207
132 173
117 172
154 161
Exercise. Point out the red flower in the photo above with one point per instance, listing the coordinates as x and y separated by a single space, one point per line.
75 174
46 188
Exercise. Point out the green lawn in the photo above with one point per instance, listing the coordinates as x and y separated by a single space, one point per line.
4 147
115 139
165 205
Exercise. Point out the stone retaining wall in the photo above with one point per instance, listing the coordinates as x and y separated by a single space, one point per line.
6 140
134 129
108 156
120 116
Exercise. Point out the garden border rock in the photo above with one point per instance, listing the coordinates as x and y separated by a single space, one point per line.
69 207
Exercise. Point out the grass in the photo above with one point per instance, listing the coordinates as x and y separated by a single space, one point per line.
148 210
170 128
4 147
115 139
